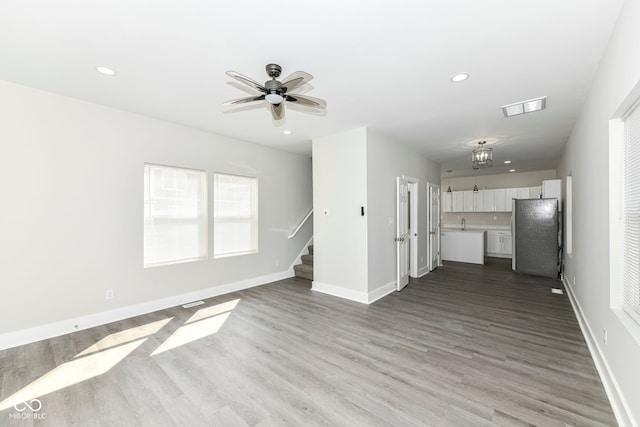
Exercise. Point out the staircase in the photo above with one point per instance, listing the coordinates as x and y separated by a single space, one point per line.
305 270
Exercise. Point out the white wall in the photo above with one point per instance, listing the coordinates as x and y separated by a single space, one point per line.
340 239
586 158
387 160
71 176
354 255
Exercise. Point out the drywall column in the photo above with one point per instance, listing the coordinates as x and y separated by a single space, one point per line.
339 228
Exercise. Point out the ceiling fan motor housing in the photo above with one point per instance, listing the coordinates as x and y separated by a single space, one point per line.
273 70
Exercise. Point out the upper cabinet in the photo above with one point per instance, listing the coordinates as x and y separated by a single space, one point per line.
500 200
488 200
535 192
492 200
447 202
523 193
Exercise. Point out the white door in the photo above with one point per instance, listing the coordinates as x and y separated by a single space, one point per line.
402 232
434 226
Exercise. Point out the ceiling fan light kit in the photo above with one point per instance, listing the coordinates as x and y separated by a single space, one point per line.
277 93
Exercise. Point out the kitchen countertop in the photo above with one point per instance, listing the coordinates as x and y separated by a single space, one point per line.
468 230
477 227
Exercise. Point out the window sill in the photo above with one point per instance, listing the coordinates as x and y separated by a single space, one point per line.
628 323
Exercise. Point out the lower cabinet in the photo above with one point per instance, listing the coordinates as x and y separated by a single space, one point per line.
499 244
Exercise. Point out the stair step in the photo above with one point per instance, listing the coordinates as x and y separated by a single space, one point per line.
304 270
307 259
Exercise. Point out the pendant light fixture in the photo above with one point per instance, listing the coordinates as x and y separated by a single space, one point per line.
482 157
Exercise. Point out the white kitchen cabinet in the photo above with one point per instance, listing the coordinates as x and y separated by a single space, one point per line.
535 192
499 244
478 198
493 243
447 202
488 200
510 194
458 201
523 193
506 247
500 200
468 201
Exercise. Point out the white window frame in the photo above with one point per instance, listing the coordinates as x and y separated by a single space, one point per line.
222 219
630 318
160 222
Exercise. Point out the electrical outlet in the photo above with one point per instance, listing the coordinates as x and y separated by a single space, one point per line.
495 217
574 281
605 337
421 259
109 293
277 263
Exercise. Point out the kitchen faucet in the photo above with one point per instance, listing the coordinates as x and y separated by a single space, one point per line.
464 225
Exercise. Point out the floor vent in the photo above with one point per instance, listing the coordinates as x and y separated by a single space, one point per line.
557 291
193 304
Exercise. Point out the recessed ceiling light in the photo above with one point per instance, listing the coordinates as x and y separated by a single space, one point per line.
460 77
507 161
287 132
512 170
522 107
106 71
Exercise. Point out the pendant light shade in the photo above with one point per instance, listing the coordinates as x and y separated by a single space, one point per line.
482 157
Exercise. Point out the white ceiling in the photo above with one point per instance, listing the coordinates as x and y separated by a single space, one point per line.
384 65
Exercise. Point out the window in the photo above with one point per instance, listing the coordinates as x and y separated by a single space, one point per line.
175 215
631 213
235 217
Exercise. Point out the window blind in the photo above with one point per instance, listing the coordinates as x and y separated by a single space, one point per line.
235 218
175 215
631 213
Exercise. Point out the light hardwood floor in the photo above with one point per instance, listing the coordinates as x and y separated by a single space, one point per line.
464 345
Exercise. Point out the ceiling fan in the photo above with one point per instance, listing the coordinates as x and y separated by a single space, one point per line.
276 93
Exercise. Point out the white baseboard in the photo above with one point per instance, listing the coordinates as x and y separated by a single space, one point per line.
617 400
339 291
350 294
422 271
382 291
50 330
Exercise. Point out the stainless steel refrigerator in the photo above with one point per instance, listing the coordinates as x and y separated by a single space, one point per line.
534 228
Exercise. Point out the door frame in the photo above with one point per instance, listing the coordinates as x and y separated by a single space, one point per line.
433 190
413 185
414 220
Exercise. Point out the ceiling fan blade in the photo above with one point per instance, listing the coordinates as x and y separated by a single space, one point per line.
277 111
296 80
244 100
247 81
307 100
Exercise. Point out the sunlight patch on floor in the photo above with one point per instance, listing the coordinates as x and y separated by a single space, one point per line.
132 334
92 362
204 322
71 373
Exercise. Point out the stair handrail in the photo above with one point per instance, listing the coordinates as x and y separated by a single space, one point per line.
301 224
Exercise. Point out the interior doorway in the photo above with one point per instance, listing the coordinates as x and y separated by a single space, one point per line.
406 230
